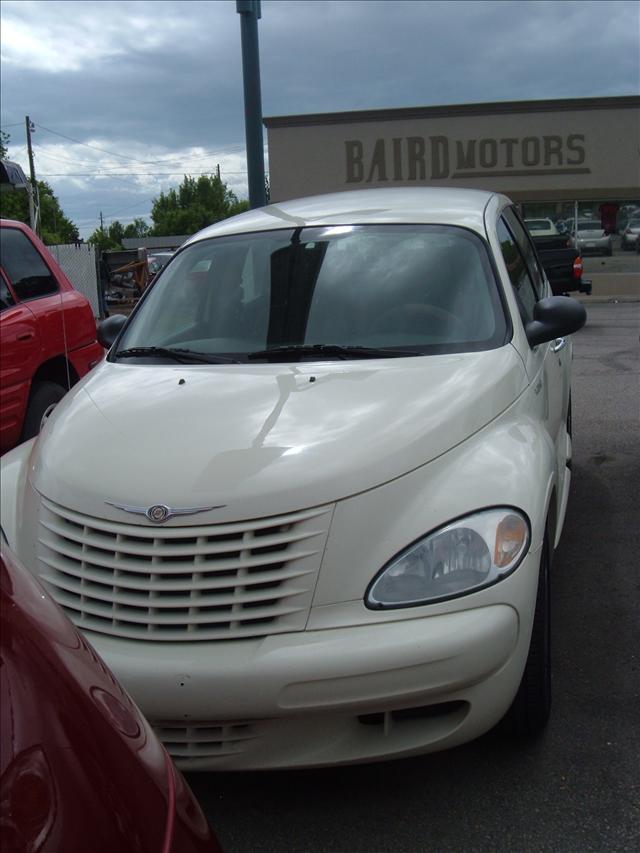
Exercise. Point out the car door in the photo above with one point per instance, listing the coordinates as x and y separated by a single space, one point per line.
547 364
34 286
20 356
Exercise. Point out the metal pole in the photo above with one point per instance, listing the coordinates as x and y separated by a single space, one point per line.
34 205
249 11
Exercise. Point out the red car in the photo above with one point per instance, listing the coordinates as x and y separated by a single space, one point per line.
47 333
80 768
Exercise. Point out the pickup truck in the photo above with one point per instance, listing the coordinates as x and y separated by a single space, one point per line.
47 333
562 264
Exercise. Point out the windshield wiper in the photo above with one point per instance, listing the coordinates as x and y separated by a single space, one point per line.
184 356
331 350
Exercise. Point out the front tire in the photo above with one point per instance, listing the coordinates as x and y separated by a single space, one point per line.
43 395
530 710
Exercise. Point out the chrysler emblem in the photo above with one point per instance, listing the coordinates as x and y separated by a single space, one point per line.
160 512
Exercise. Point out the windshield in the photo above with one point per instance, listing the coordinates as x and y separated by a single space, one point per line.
418 289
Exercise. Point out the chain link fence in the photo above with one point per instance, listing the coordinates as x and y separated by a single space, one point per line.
79 263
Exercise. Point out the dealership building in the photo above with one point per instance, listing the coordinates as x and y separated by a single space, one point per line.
546 155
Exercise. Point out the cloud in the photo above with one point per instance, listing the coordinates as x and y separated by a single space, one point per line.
57 37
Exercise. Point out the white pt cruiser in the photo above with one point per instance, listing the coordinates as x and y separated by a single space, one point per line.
306 507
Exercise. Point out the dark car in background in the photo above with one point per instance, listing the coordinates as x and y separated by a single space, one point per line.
81 769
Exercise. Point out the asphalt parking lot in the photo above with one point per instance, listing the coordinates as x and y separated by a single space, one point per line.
576 788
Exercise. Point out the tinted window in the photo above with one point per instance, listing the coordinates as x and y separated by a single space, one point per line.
6 299
591 225
518 273
24 266
526 247
422 288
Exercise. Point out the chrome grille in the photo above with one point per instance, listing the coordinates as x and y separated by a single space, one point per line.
219 581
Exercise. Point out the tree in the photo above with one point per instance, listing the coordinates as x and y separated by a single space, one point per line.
116 232
137 228
55 227
194 205
4 141
111 238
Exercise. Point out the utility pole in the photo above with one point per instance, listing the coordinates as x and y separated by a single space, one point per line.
249 11
101 223
34 201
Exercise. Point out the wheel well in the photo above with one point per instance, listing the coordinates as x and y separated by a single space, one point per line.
55 370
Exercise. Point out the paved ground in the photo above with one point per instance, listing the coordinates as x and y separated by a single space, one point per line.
577 788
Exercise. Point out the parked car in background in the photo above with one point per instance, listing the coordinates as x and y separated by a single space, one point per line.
80 768
631 233
156 262
47 333
541 227
329 533
591 238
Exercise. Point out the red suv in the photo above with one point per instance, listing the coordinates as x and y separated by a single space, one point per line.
47 333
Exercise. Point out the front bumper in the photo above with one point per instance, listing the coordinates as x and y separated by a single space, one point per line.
325 697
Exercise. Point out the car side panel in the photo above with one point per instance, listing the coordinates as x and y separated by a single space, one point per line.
34 332
20 356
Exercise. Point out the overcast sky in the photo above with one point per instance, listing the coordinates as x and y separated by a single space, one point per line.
127 97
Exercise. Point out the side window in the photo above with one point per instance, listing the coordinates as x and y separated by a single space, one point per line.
523 239
24 266
518 272
6 299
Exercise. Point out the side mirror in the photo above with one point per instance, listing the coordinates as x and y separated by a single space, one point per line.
109 329
555 317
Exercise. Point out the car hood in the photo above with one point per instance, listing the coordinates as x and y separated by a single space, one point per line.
254 440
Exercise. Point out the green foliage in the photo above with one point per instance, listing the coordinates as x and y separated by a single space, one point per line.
112 237
194 205
137 228
55 227
4 142
109 238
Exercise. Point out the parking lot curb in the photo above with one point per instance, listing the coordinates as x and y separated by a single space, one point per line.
596 300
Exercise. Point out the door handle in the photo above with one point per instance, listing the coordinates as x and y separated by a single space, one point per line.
25 336
558 344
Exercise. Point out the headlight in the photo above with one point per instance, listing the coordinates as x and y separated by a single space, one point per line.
465 556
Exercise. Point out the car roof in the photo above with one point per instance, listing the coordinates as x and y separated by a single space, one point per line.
13 223
428 205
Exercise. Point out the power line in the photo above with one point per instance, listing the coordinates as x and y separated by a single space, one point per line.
185 159
95 147
135 174
213 155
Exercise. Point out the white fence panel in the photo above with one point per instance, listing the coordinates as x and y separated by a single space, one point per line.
79 264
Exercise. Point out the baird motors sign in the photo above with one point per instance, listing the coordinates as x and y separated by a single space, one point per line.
420 158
